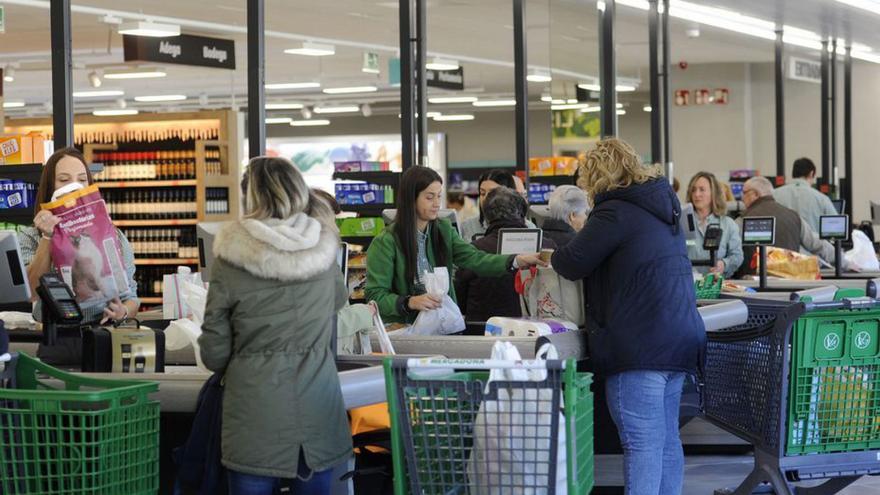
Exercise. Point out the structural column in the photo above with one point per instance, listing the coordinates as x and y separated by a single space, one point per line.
832 106
654 68
256 35
407 117
607 70
667 92
826 157
520 61
62 74
421 45
847 192
779 82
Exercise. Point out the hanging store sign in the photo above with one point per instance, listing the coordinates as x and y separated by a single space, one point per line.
804 70
185 49
445 79
371 63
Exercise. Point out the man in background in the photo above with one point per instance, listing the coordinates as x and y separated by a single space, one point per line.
800 196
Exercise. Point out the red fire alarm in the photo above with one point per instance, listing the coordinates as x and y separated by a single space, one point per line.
683 65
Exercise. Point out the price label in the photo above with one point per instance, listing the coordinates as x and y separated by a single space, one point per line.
9 147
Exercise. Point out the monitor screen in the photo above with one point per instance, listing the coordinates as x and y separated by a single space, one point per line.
833 227
759 230
13 278
839 205
519 241
205 232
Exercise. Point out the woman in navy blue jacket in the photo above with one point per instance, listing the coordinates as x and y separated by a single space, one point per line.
645 332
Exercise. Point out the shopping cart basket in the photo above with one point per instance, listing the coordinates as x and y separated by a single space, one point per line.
435 417
801 382
66 434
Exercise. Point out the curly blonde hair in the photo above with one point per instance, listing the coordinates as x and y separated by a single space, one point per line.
613 164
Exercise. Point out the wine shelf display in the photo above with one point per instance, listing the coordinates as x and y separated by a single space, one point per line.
162 174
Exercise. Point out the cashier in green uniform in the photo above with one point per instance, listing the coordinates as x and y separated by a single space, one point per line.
705 193
417 242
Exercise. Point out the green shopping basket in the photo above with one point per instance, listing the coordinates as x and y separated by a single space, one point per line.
442 436
709 287
66 434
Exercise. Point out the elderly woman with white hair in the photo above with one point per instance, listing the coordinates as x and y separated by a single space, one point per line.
568 214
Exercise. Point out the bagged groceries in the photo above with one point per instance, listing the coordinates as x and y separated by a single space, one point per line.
789 264
179 288
523 327
862 256
546 295
447 318
85 247
512 433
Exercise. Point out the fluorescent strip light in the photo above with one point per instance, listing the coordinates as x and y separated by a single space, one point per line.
621 88
115 112
453 99
571 106
454 117
97 94
339 109
539 77
872 7
430 115
621 112
309 123
150 29
558 102
547 98
494 103
442 64
283 106
312 50
295 85
349 90
619 105
158 98
590 87
13 104
646 108
135 74
278 120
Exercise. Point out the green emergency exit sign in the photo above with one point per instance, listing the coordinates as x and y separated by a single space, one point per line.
2 20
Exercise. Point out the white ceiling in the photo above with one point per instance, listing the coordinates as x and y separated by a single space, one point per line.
562 35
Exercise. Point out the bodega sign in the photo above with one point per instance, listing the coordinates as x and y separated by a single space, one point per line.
186 49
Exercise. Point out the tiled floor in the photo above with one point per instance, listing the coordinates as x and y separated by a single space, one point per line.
703 474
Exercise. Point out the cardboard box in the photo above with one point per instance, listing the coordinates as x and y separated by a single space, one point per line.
22 149
541 167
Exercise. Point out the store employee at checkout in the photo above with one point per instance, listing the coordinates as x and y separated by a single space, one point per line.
706 195
417 242
68 166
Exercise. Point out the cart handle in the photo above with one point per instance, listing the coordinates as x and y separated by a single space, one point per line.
484 364
849 303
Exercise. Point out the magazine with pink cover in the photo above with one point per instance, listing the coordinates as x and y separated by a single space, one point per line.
85 247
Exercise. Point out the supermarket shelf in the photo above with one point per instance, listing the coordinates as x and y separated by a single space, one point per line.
20 216
150 300
27 172
371 210
166 261
384 177
557 180
155 223
360 240
147 183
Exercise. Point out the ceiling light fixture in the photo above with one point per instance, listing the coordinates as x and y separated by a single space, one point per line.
13 104
619 105
571 106
310 49
283 106
366 110
337 109
454 117
121 103
546 98
537 76
294 85
278 120
98 94
646 108
309 123
442 64
159 98
350 89
115 112
621 88
452 99
621 112
9 74
494 103
149 29
306 113
868 5
94 79
135 74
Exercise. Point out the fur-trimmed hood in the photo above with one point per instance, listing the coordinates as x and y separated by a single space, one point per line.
294 249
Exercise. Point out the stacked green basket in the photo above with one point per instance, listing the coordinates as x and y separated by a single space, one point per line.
66 434
709 287
834 396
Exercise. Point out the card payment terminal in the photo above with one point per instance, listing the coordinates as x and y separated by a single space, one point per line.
59 306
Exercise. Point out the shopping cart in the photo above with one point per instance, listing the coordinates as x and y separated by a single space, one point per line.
66 434
801 382
444 427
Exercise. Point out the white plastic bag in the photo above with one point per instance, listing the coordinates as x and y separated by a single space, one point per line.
183 332
545 295
447 318
861 257
178 289
512 434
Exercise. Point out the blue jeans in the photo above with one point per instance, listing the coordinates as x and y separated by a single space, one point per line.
252 484
644 406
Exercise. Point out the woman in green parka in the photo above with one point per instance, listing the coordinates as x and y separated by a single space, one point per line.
275 287
417 242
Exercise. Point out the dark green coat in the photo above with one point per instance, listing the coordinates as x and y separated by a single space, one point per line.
274 290
386 269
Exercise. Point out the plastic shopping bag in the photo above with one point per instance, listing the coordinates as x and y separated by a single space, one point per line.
384 342
442 321
182 294
545 295
861 257
512 433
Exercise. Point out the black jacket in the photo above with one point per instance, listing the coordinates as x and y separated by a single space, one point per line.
641 305
557 230
481 298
